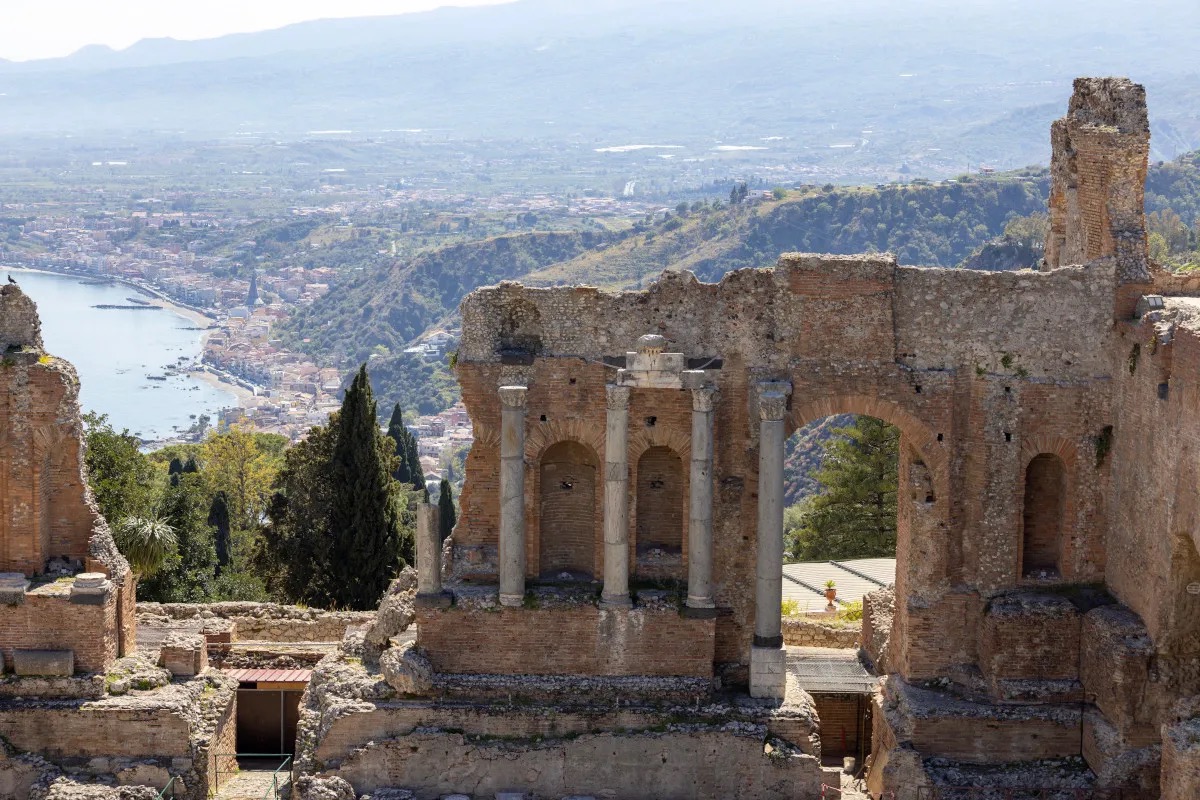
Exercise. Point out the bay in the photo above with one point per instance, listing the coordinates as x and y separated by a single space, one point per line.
116 350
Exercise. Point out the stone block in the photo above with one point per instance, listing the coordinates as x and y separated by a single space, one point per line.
1181 760
1030 636
184 655
90 588
768 672
13 586
44 662
1115 671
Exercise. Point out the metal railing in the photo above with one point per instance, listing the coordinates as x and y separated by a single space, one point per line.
1007 793
170 787
272 791
277 779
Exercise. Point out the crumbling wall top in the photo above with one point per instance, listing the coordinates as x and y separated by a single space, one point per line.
19 323
1110 102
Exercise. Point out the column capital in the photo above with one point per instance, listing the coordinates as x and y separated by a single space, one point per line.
616 397
703 398
772 399
513 396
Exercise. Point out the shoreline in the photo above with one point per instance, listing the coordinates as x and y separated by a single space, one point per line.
242 397
192 315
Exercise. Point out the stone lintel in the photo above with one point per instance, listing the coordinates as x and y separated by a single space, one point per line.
442 599
59 663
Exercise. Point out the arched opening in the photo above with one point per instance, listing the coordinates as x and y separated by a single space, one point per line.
566 538
659 514
1042 516
840 489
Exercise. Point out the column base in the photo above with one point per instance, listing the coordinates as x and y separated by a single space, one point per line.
615 601
433 600
768 672
699 611
512 600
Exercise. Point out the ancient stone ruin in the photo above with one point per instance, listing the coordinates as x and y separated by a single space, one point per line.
81 714
605 620
1048 580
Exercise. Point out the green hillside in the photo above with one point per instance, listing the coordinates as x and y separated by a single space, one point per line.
379 311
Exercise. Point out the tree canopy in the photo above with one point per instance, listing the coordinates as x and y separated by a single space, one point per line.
340 524
853 514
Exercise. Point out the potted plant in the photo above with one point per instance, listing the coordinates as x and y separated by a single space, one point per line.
830 591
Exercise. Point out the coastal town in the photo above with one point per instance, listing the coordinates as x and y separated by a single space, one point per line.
278 390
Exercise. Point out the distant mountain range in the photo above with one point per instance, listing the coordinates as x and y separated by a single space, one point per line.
827 82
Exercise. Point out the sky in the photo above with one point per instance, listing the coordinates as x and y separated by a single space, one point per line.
47 28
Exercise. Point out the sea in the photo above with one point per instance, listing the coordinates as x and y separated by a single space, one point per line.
125 358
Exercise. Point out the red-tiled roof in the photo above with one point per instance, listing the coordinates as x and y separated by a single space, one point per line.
269 675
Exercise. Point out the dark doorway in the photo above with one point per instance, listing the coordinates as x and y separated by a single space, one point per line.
845 725
266 720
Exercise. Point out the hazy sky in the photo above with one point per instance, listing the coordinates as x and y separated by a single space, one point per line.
47 28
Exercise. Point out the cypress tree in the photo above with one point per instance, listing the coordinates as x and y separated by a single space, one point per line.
399 433
364 518
218 517
407 451
446 514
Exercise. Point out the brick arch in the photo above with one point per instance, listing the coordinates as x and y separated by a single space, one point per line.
916 433
659 519
569 495
1066 454
642 439
541 436
1060 446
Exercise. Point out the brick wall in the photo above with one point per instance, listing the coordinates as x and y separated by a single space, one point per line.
72 731
976 394
223 746
1042 514
47 620
566 641
1029 636
569 498
44 505
844 723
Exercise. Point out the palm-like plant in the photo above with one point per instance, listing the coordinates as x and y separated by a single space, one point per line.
146 542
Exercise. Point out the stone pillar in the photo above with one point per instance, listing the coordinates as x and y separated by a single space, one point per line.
700 532
767 656
616 498
429 558
512 495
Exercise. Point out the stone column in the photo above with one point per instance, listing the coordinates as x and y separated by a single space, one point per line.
700 532
616 498
768 659
429 558
512 495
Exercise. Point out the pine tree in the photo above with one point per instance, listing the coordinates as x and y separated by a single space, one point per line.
364 518
446 514
854 514
218 517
